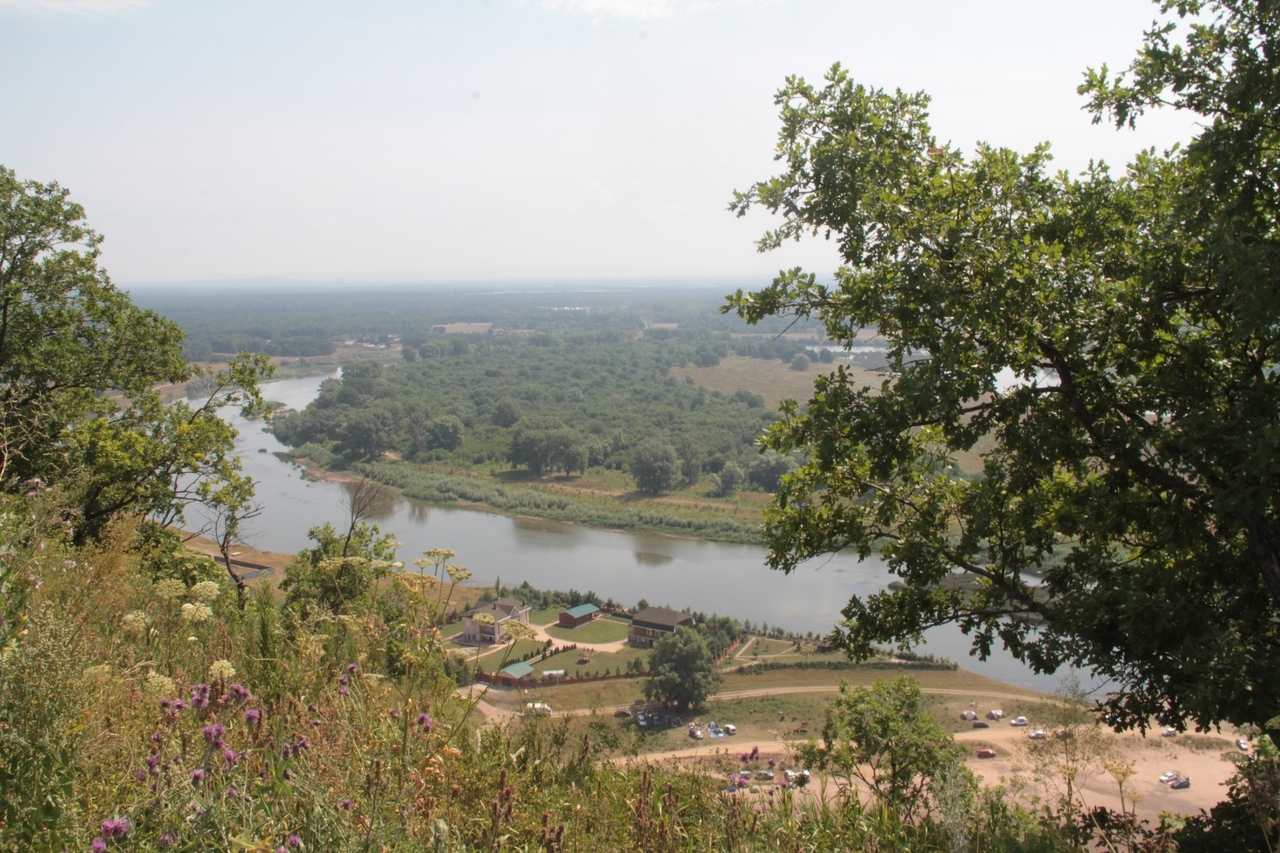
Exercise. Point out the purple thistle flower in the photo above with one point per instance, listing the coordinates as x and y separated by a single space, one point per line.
342 679
345 804
294 841
230 755
395 713
165 840
214 734
345 691
115 828
352 668
140 775
98 846
240 692
311 706
199 702
157 737
425 722
253 716
197 776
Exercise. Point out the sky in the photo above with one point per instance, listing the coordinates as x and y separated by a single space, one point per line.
406 140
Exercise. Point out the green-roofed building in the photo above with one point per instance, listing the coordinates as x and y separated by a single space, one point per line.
580 615
513 674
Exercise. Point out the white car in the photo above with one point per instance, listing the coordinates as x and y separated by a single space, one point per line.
1166 778
1242 744
1169 731
1018 721
1038 734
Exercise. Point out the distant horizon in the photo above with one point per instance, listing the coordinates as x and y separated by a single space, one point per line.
529 282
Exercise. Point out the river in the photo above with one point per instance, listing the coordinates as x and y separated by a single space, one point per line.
712 577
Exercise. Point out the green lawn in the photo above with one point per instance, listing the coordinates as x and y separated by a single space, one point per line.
452 630
602 630
544 615
600 661
498 660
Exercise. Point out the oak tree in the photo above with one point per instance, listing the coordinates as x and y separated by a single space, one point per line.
1105 342
79 363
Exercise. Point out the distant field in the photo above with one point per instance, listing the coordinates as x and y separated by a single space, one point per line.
773 380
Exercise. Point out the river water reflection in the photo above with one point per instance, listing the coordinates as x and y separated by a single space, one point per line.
707 576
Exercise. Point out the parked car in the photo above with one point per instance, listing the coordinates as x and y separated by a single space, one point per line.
1169 731
986 753
1180 783
622 712
981 724
730 729
1242 744
1038 734
641 720
766 775
1018 721
1166 778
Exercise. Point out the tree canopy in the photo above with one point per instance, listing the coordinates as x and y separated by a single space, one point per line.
682 670
1108 344
78 366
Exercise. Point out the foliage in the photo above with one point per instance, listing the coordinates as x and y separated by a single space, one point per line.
78 362
655 466
338 573
682 670
1107 343
882 736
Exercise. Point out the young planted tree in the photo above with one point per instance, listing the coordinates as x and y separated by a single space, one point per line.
1108 344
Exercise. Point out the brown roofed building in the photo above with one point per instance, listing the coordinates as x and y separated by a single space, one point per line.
653 623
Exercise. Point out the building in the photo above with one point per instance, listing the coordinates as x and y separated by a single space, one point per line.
580 615
653 623
513 675
485 623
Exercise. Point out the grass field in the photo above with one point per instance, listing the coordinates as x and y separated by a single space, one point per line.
544 615
773 380
602 630
600 661
496 661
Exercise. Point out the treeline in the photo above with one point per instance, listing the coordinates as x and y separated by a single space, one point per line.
278 319
551 404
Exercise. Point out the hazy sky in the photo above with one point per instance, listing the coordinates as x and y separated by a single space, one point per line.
416 139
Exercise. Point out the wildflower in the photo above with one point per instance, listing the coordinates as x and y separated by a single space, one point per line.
98 846
134 622
253 716
100 672
165 840
342 679
158 685
196 613
344 690
230 755
169 589
199 696
425 722
115 828
294 841
239 691
395 713
140 775
352 668
206 591
221 670
345 804
214 734
197 776
311 706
